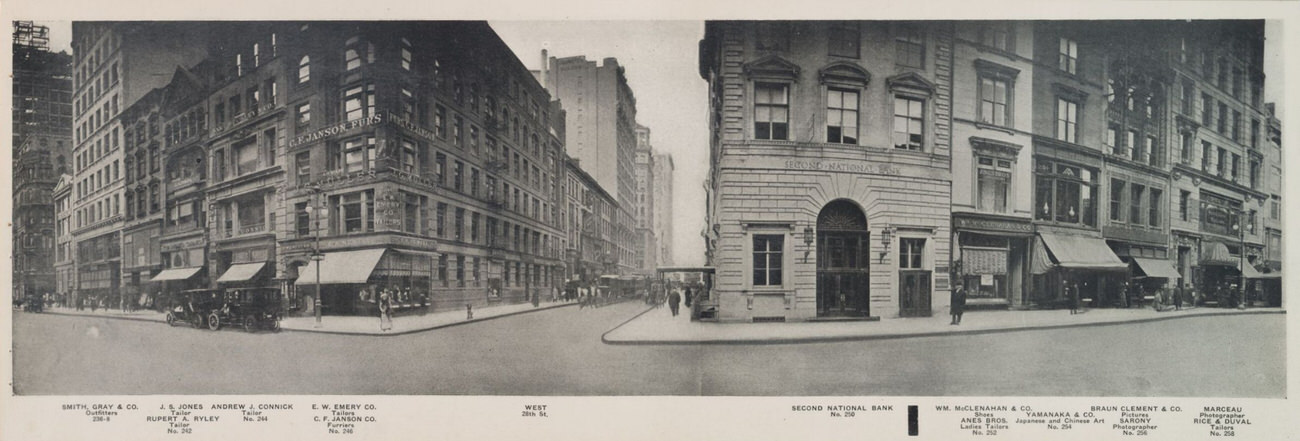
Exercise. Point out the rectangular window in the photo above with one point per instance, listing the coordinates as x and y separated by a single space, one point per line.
459 224
1184 199
1067 120
359 154
442 269
841 116
473 227
1069 55
909 46
767 259
1222 119
440 121
1153 210
1223 161
457 176
1130 142
994 95
246 157
304 113
1112 139
993 182
1149 155
1207 110
844 40
302 219
1117 200
771 111
359 102
909 123
302 162
1136 193
440 224
1254 174
440 168
910 252
1236 166
1185 144
997 35
1207 152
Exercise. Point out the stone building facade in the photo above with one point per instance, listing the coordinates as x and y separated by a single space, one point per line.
830 184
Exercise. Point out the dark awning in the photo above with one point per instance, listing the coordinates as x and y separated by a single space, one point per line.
1249 272
176 274
346 267
1157 268
1077 252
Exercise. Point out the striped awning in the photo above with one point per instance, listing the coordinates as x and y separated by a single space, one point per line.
1216 253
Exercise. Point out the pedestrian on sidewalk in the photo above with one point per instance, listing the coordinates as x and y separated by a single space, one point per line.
385 312
1178 298
957 302
673 300
1072 294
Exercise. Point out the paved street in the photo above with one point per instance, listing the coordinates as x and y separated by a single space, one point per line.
558 352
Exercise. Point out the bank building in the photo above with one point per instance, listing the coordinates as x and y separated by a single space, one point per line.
828 195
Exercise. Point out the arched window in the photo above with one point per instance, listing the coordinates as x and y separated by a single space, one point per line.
304 69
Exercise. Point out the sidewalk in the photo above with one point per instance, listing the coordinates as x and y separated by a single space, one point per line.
659 327
350 325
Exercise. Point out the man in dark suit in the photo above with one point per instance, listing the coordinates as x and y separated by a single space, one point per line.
957 301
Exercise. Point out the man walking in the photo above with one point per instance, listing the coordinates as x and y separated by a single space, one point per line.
957 302
673 300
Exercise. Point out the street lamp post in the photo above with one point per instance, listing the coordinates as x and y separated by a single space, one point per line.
314 213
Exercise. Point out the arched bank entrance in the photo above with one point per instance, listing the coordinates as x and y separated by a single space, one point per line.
843 259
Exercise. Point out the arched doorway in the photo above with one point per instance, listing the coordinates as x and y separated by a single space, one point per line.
843 250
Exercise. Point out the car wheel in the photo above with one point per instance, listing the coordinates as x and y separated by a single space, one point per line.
197 322
250 323
214 321
171 319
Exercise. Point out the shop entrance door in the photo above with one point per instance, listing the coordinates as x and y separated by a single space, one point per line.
914 293
843 285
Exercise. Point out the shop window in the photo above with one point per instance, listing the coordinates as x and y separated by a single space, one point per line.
1064 193
910 252
767 259
771 111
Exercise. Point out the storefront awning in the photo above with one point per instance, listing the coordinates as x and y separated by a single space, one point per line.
1082 252
241 272
1157 268
346 267
176 274
1216 253
1250 272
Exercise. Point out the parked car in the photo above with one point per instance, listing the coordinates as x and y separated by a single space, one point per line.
193 307
249 308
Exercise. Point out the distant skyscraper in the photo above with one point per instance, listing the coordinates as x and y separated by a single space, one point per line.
662 199
643 207
601 119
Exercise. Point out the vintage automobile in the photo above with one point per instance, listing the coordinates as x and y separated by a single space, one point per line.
193 307
249 308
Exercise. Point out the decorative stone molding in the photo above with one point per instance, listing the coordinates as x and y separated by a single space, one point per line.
772 66
845 74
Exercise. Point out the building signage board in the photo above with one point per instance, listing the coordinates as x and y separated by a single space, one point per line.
964 223
844 166
337 130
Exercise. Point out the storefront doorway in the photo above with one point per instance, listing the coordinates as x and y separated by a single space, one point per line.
843 260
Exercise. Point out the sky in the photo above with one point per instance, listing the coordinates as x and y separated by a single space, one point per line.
660 62
659 58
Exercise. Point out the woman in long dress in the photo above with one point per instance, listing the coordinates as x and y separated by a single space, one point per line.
385 312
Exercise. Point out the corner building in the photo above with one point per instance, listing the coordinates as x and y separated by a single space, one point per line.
428 159
829 186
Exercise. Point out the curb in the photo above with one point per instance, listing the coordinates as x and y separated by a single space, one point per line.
895 336
322 331
620 325
415 331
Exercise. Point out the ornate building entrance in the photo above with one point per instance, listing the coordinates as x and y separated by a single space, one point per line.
843 285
